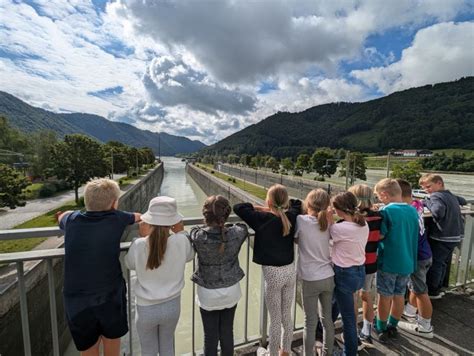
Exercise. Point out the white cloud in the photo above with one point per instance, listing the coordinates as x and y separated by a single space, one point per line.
439 53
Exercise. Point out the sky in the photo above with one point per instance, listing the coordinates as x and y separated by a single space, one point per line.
205 69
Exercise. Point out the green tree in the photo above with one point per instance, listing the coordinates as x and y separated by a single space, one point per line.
303 163
254 162
323 162
116 154
232 159
42 143
11 186
357 168
245 159
77 159
272 163
410 172
287 164
11 139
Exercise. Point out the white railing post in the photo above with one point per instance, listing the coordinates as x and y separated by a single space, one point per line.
25 325
466 263
52 307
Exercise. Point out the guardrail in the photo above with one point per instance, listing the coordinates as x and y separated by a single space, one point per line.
464 274
19 258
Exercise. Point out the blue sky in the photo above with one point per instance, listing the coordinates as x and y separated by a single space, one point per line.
207 69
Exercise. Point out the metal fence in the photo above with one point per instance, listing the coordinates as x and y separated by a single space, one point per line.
463 263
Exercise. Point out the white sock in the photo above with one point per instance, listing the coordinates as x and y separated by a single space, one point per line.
425 323
410 310
367 328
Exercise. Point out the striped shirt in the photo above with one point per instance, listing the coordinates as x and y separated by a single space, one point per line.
374 220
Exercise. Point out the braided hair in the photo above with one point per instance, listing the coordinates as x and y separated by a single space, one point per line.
216 210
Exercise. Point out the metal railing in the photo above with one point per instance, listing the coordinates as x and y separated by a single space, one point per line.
19 258
464 274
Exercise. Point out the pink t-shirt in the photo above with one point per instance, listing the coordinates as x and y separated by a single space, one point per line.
349 243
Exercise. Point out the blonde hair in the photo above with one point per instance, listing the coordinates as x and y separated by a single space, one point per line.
100 194
430 178
216 210
389 186
277 199
347 203
318 201
364 195
157 242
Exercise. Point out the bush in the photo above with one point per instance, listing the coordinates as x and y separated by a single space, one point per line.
61 185
81 202
212 172
47 190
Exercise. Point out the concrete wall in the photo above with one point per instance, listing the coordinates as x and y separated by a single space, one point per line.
297 187
134 199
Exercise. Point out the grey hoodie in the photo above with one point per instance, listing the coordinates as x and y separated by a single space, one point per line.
447 223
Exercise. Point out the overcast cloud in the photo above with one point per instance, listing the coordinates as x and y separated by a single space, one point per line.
206 69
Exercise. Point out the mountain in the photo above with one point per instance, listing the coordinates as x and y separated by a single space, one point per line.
29 119
431 117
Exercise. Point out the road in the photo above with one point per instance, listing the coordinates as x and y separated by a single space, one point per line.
33 208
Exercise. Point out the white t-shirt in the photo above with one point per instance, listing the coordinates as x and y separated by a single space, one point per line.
218 299
314 261
165 282
349 243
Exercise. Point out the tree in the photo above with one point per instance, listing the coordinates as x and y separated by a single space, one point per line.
324 162
245 159
287 164
42 143
272 163
302 163
11 187
410 172
357 167
77 159
232 159
254 162
116 154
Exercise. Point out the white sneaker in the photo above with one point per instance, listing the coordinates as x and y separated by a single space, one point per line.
261 351
416 329
411 318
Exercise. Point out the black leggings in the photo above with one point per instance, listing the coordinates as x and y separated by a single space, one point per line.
218 326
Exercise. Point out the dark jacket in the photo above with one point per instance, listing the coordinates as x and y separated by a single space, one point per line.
270 247
216 269
447 224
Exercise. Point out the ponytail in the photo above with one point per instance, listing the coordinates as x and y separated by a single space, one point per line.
285 221
157 242
216 210
323 220
359 218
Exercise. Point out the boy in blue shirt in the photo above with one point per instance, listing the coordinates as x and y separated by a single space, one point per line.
94 288
397 254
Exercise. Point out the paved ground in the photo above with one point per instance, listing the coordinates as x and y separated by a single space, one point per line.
33 208
453 326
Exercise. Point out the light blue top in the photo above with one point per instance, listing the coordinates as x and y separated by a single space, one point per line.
397 252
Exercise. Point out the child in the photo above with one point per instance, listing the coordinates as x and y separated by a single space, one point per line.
315 269
348 256
396 256
418 298
445 229
159 260
218 274
273 249
94 288
365 199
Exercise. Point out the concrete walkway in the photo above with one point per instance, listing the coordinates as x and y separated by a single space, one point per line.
9 218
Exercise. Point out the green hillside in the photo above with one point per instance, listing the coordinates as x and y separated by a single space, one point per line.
437 116
30 119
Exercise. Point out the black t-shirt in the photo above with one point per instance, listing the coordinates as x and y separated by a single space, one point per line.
92 250
270 248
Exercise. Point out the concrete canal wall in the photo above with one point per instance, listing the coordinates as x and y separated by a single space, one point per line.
136 198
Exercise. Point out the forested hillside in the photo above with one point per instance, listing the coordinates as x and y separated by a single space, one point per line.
432 116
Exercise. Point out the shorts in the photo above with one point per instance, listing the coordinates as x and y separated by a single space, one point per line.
369 282
417 283
89 317
389 284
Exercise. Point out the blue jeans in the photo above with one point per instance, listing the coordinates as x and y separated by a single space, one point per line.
348 281
442 254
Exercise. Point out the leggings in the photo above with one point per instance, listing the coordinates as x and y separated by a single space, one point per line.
279 294
156 325
218 327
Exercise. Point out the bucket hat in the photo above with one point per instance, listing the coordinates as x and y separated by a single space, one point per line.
162 211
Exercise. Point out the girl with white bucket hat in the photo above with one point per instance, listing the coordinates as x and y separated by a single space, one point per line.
159 260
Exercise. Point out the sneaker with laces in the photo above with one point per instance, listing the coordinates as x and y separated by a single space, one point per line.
411 318
380 336
366 339
416 329
261 351
438 295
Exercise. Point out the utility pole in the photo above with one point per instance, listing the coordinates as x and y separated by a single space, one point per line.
388 164
347 168
112 163
159 146
136 161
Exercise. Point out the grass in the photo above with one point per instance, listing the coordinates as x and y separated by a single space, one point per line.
450 151
253 189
